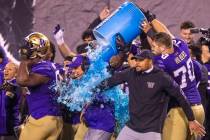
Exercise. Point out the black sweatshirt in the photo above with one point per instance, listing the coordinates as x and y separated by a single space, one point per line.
148 97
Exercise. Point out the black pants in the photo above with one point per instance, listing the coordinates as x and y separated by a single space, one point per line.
207 120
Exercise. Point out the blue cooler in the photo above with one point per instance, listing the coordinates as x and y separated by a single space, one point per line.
124 21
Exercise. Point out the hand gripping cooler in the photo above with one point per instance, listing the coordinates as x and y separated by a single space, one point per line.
124 21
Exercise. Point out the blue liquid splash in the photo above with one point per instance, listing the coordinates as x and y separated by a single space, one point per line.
76 94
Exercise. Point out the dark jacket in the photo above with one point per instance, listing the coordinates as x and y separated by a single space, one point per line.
201 75
148 97
9 108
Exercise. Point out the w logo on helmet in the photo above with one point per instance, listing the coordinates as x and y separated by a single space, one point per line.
42 43
38 39
39 44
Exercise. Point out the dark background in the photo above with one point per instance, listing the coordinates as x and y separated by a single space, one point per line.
20 17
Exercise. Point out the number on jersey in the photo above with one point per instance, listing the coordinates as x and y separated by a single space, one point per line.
185 71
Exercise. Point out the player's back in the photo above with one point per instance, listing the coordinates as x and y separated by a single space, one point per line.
179 65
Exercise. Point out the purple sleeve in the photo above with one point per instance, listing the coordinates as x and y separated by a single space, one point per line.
133 49
59 68
44 68
159 63
1 78
181 44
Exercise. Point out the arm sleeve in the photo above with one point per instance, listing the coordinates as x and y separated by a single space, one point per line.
44 69
159 63
204 74
94 23
116 79
173 89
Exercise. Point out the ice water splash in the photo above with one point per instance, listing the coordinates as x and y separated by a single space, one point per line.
77 93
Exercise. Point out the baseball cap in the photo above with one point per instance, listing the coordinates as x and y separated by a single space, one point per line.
144 54
76 61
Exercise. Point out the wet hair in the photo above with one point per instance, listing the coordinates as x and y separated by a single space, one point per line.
187 25
87 33
163 38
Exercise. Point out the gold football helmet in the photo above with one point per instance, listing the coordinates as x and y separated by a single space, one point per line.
38 43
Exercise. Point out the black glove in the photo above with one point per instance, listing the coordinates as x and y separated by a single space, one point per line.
150 16
59 34
57 28
121 45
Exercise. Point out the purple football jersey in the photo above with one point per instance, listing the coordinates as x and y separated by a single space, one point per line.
180 66
9 110
42 98
100 116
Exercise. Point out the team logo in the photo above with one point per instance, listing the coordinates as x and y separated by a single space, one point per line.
150 84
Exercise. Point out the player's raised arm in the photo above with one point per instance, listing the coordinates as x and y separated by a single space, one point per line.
155 24
160 27
62 46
